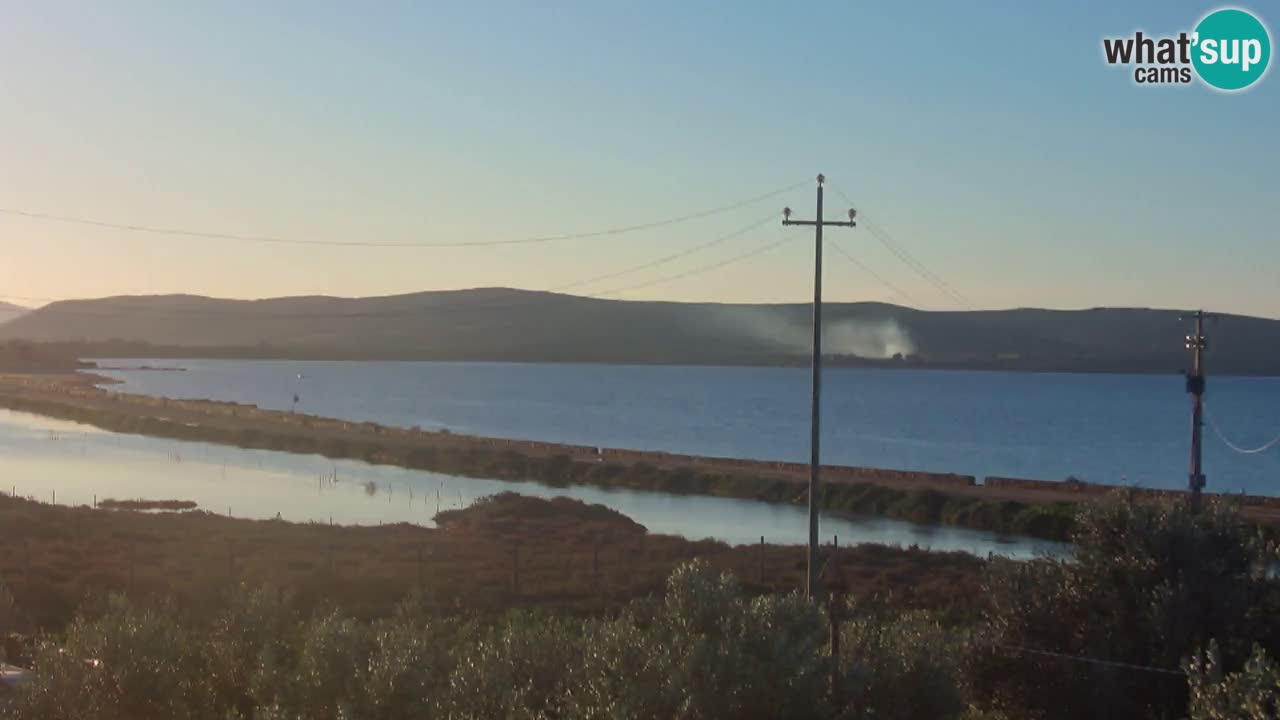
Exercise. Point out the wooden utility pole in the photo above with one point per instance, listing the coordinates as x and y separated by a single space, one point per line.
1197 344
811 577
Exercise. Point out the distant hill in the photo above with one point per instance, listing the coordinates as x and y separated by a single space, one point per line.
516 325
9 311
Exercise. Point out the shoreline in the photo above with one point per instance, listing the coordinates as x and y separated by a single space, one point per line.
828 362
1037 509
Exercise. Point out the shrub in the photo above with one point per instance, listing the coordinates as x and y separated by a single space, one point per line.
130 663
325 677
1253 693
518 670
906 667
1149 583
705 651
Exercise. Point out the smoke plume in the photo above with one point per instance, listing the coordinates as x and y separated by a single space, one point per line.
871 339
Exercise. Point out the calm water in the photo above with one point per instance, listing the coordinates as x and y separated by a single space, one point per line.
58 461
1103 428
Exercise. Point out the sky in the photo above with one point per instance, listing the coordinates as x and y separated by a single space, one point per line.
990 140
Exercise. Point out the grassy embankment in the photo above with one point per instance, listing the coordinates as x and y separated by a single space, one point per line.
511 551
473 457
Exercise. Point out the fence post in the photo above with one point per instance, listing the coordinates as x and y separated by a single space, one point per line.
760 561
515 568
833 612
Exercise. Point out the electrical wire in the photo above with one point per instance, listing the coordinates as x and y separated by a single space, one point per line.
1021 650
702 269
899 292
906 257
668 258
104 310
1241 450
200 234
902 254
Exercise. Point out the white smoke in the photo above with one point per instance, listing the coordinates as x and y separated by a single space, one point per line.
876 339
872 339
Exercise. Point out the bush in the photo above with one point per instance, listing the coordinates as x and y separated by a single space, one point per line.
557 471
518 670
8 616
704 651
1148 585
907 667
249 645
1253 693
325 678
130 663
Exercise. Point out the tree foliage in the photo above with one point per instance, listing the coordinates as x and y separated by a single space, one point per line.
1161 613
1252 693
1149 584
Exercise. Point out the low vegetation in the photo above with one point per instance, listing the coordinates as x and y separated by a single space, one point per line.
1162 614
113 504
1046 520
20 356
509 552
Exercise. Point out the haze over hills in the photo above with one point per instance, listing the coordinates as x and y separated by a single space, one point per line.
517 325
9 311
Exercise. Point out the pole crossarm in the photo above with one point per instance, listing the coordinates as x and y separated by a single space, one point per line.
824 223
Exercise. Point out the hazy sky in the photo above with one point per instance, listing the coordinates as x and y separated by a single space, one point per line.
988 138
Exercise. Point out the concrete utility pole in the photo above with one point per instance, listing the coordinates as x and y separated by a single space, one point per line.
1195 385
811 577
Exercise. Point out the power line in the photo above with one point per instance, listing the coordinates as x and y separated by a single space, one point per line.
906 257
1243 451
865 268
910 260
668 258
916 265
200 234
121 310
1018 649
701 269
1012 649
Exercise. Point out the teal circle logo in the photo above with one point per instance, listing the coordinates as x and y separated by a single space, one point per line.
1231 49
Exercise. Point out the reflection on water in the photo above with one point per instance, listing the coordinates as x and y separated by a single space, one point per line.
44 459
